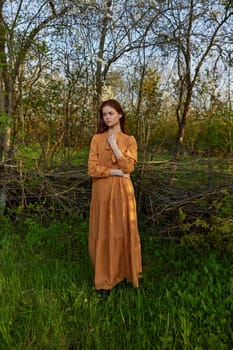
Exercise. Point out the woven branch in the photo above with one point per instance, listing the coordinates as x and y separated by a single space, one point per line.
161 189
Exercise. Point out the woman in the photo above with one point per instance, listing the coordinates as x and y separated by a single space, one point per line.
114 243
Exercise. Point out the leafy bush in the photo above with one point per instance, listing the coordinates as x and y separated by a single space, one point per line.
215 230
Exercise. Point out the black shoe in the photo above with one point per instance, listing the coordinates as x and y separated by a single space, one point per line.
128 284
103 293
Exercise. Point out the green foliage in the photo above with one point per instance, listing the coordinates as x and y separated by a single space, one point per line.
221 230
211 133
80 157
215 230
58 239
6 226
30 154
47 300
163 137
3 119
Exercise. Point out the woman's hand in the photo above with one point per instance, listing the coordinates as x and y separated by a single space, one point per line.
126 176
119 172
112 142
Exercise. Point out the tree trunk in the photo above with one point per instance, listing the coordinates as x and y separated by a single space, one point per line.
99 78
182 122
179 142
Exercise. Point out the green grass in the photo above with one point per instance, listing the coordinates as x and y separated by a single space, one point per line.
47 299
32 153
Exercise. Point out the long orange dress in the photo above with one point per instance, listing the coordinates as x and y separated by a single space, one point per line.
114 242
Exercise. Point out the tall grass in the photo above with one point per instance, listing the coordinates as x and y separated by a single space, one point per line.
47 299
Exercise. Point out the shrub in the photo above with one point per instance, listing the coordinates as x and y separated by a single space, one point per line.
215 230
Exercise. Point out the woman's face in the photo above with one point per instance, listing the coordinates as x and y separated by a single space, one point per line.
111 117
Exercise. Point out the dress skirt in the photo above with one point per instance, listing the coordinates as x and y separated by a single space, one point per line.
114 242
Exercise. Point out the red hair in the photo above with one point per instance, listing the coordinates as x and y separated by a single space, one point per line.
116 105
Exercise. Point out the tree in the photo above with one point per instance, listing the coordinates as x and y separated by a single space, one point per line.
111 30
20 24
192 30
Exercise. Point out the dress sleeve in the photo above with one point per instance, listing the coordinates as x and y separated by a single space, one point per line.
94 168
129 157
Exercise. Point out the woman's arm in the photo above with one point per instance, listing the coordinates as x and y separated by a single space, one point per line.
95 169
127 160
